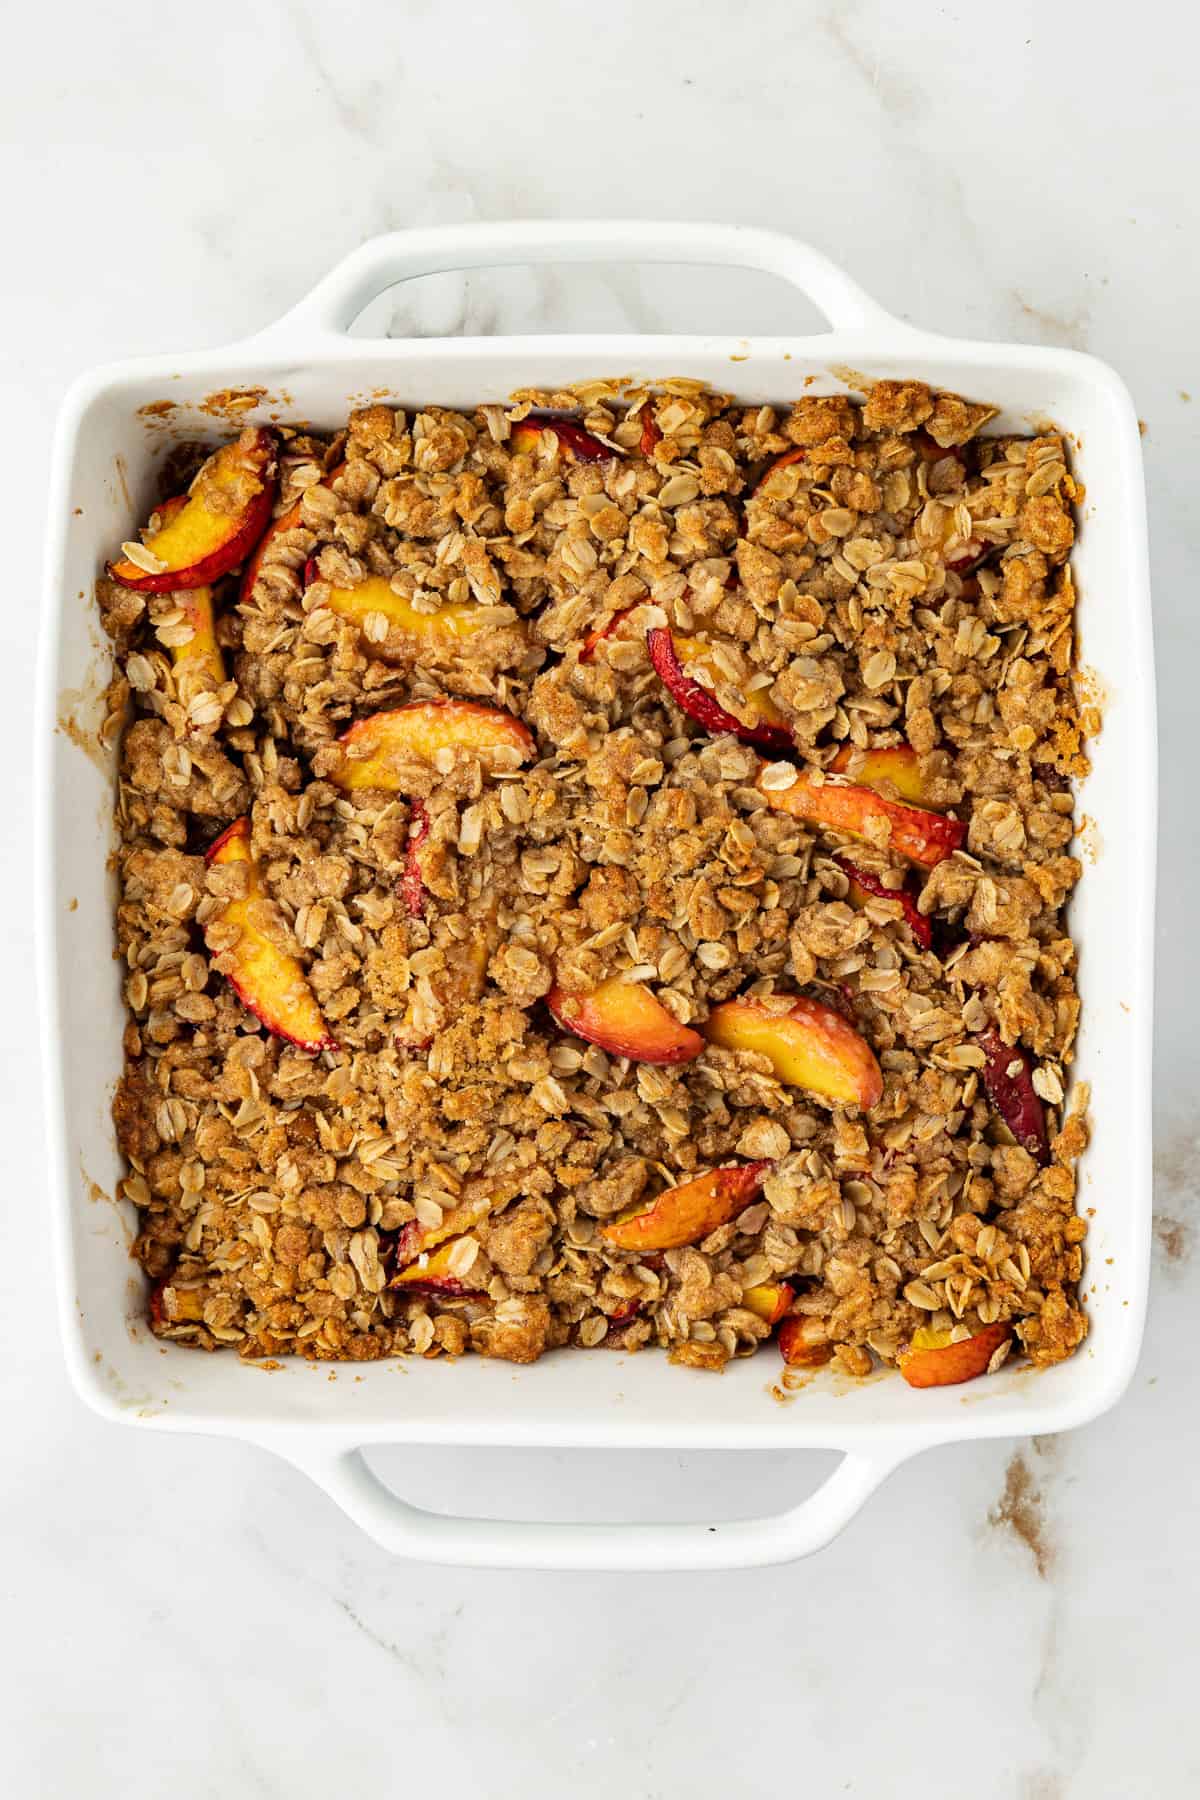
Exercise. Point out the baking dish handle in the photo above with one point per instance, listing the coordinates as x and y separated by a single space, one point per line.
411 1531
334 304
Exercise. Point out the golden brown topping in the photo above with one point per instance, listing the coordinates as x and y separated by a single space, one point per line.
579 954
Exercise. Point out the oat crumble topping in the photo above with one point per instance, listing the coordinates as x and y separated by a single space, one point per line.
834 580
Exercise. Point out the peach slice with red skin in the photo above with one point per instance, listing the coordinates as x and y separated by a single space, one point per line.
376 595
1008 1082
866 885
287 521
376 750
268 981
771 1300
625 1019
685 1214
412 882
930 451
613 628
414 1238
898 765
798 1351
202 651
932 1360
196 604
594 639
651 436
783 461
628 1309
435 1276
577 444
222 518
669 653
463 980
912 832
187 1306
167 510
807 1044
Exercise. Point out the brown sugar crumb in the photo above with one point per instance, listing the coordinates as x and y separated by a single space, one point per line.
396 1141
700 1356
897 406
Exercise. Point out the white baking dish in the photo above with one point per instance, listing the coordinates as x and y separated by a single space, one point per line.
104 478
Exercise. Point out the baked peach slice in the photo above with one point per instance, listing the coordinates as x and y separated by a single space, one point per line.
673 656
931 1359
435 1275
866 885
378 751
375 595
267 980
771 1300
201 653
412 882
625 1019
414 1239
685 1214
778 462
799 1351
807 1044
651 436
1008 1082
912 832
576 444
196 605
216 527
930 451
287 521
185 1307
612 628
896 768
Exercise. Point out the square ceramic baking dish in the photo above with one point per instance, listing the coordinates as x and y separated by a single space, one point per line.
307 367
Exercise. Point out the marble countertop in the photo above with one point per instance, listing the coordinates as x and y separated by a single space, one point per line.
193 1619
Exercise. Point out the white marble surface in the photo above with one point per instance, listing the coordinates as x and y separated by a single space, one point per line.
189 1619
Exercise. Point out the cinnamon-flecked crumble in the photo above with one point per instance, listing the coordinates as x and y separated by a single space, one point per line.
836 578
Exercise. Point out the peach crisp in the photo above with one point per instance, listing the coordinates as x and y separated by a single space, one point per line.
593 872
